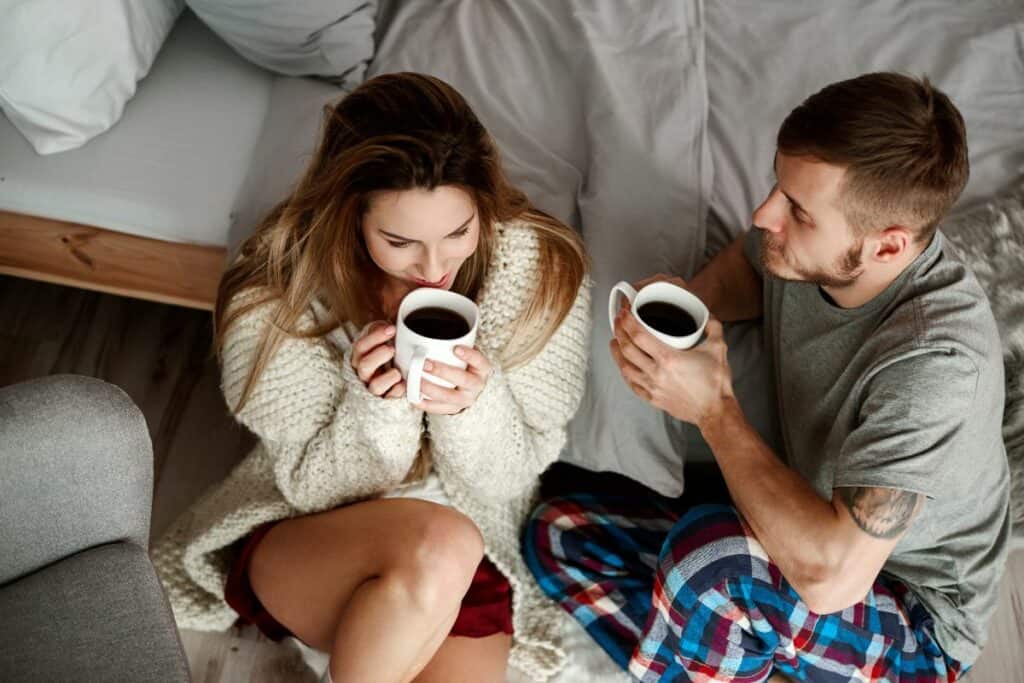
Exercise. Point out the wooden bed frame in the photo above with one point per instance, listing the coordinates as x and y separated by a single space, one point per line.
109 261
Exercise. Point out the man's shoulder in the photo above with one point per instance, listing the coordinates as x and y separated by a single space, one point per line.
943 307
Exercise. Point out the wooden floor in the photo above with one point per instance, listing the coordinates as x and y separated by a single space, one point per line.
160 355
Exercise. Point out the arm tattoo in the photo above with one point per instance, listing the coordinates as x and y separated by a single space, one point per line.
880 512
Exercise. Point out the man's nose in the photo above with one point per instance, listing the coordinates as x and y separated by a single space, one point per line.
771 214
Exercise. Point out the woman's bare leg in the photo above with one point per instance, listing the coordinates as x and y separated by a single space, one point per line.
469 660
377 585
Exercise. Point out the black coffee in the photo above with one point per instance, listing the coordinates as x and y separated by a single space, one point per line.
437 323
667 318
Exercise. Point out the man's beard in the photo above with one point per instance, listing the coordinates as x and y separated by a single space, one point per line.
843 274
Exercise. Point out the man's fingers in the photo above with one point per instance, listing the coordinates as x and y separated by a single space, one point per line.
630 372
714 329
637 334
641 392
637 358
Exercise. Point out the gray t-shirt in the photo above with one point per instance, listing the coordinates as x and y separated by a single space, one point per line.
904 392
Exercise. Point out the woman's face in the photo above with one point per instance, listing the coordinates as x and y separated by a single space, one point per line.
421 237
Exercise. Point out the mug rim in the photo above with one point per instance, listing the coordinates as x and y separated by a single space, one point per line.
410 304
689 301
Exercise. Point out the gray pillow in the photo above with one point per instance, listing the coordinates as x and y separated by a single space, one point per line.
990 239
332 39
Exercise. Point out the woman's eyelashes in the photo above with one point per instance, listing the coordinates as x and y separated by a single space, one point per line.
455 235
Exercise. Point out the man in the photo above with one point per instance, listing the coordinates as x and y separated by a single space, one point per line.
873 547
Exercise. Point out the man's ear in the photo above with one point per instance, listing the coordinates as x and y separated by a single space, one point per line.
892 243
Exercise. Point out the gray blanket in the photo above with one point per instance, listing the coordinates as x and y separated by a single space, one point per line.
990 239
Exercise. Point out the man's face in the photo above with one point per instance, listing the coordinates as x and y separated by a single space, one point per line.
807 238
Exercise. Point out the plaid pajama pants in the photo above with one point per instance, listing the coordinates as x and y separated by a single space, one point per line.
689 595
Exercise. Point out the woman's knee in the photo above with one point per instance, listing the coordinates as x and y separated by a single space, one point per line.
437 566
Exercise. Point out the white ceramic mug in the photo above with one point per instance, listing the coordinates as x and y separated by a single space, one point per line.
664 292
413 349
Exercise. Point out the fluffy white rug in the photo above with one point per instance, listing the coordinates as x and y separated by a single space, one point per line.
587 663
990 239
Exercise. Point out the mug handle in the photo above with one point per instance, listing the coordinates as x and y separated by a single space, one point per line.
622 287
414 381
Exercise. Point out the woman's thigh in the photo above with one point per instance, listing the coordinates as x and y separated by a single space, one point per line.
306 568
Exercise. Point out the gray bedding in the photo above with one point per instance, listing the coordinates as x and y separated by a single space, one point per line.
650 126
599 110
763 59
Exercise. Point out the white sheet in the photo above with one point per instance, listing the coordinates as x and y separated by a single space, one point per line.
172 167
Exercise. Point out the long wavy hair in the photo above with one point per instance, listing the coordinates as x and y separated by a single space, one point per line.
398 131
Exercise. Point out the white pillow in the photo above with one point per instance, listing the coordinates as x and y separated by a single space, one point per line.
328 38
67 68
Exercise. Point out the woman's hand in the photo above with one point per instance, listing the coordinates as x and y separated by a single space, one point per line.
468 383
371 359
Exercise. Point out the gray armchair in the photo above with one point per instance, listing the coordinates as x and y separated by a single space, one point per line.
79 599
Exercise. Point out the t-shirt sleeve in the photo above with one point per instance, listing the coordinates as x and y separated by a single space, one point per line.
910 424
752 249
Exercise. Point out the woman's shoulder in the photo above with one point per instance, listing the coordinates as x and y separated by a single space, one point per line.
252 313
513 277
517 253
259 307
517 239
513 270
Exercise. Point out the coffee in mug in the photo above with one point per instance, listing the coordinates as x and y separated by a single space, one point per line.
669 312
437 323
667 318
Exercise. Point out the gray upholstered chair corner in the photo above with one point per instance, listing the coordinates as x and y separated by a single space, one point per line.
79 599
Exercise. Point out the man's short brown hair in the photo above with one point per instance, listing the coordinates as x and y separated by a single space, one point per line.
903 144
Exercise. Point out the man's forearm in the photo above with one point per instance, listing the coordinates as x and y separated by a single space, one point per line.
793 523
729 285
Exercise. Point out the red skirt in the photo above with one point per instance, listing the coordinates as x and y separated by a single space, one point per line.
486 608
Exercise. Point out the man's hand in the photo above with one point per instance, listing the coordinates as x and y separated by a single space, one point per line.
691 385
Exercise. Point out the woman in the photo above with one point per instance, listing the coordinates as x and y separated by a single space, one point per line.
385 533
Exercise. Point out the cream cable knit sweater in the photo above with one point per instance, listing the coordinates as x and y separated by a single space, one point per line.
326 441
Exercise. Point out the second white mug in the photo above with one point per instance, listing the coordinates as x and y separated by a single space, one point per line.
675 303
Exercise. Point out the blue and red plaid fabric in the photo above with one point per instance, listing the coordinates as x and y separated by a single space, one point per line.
690 595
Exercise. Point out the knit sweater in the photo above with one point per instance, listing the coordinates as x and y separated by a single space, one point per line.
326 441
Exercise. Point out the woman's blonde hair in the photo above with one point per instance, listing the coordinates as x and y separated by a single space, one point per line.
394 132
